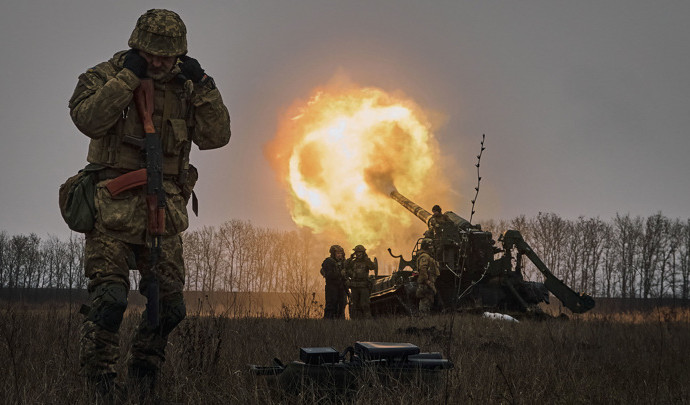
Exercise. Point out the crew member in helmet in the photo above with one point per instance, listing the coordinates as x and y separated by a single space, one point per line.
187 108
428 271
436 222
336 294
357 270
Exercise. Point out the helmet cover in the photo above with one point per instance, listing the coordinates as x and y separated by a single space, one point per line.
160 32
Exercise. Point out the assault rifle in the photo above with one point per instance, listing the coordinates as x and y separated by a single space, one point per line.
152 177
155 195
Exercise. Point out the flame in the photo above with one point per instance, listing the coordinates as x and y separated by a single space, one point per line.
342 152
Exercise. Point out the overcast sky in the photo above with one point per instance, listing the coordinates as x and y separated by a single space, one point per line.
584 103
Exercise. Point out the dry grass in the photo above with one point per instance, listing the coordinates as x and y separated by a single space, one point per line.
617 358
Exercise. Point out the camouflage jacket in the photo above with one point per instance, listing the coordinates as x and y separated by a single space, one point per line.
427 267
102 108
437 221
357 270
331 270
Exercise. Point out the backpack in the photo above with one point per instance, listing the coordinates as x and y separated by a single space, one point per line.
76 199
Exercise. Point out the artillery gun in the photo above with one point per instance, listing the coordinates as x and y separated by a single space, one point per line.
475 271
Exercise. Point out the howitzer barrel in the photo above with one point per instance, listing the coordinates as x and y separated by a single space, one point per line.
418 211
458 220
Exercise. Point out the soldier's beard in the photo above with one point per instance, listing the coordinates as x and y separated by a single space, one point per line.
157 74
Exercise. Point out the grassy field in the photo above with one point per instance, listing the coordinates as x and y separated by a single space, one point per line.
616 358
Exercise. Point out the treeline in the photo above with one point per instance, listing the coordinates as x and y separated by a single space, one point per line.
627 257
238 256
27 261
235 256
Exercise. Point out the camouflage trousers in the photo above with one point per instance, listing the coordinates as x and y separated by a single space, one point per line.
336 299
426 298
359 302
107 265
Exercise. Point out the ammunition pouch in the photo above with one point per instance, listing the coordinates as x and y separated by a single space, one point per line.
76 199
124 215
175 137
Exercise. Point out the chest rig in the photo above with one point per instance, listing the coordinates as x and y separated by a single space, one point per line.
360 269
173 117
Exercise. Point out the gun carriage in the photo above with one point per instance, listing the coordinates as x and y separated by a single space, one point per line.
475 271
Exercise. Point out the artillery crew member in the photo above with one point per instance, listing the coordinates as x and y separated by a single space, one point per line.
187 108
427 268
436 222
336 295
357 270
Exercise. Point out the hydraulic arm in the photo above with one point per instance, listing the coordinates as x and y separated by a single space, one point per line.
576 302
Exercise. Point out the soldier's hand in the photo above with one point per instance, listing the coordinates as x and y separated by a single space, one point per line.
191 68
136 63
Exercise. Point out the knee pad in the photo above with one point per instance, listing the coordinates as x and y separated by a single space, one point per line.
109 305
173 311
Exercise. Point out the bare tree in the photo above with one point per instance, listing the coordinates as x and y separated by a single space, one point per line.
593 230
24 260
667 262
548 239
54 252
204 259
4 258
651 252
628 235
684 259
75 269
610 261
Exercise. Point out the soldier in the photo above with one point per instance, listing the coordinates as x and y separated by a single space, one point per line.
332 271
357 270
436 222
428 270
187 107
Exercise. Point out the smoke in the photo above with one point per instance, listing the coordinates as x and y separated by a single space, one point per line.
339 155
380 181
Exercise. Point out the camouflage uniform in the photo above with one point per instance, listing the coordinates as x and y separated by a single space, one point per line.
428 270
102 108
357 272
436 223
336 297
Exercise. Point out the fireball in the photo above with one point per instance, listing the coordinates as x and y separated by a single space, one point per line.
342 152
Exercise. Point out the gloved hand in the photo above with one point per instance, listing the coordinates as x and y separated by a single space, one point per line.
136 63
191 68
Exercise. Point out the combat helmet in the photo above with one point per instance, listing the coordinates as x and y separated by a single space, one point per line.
160 32
426 243
359 248
335 249
436 208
